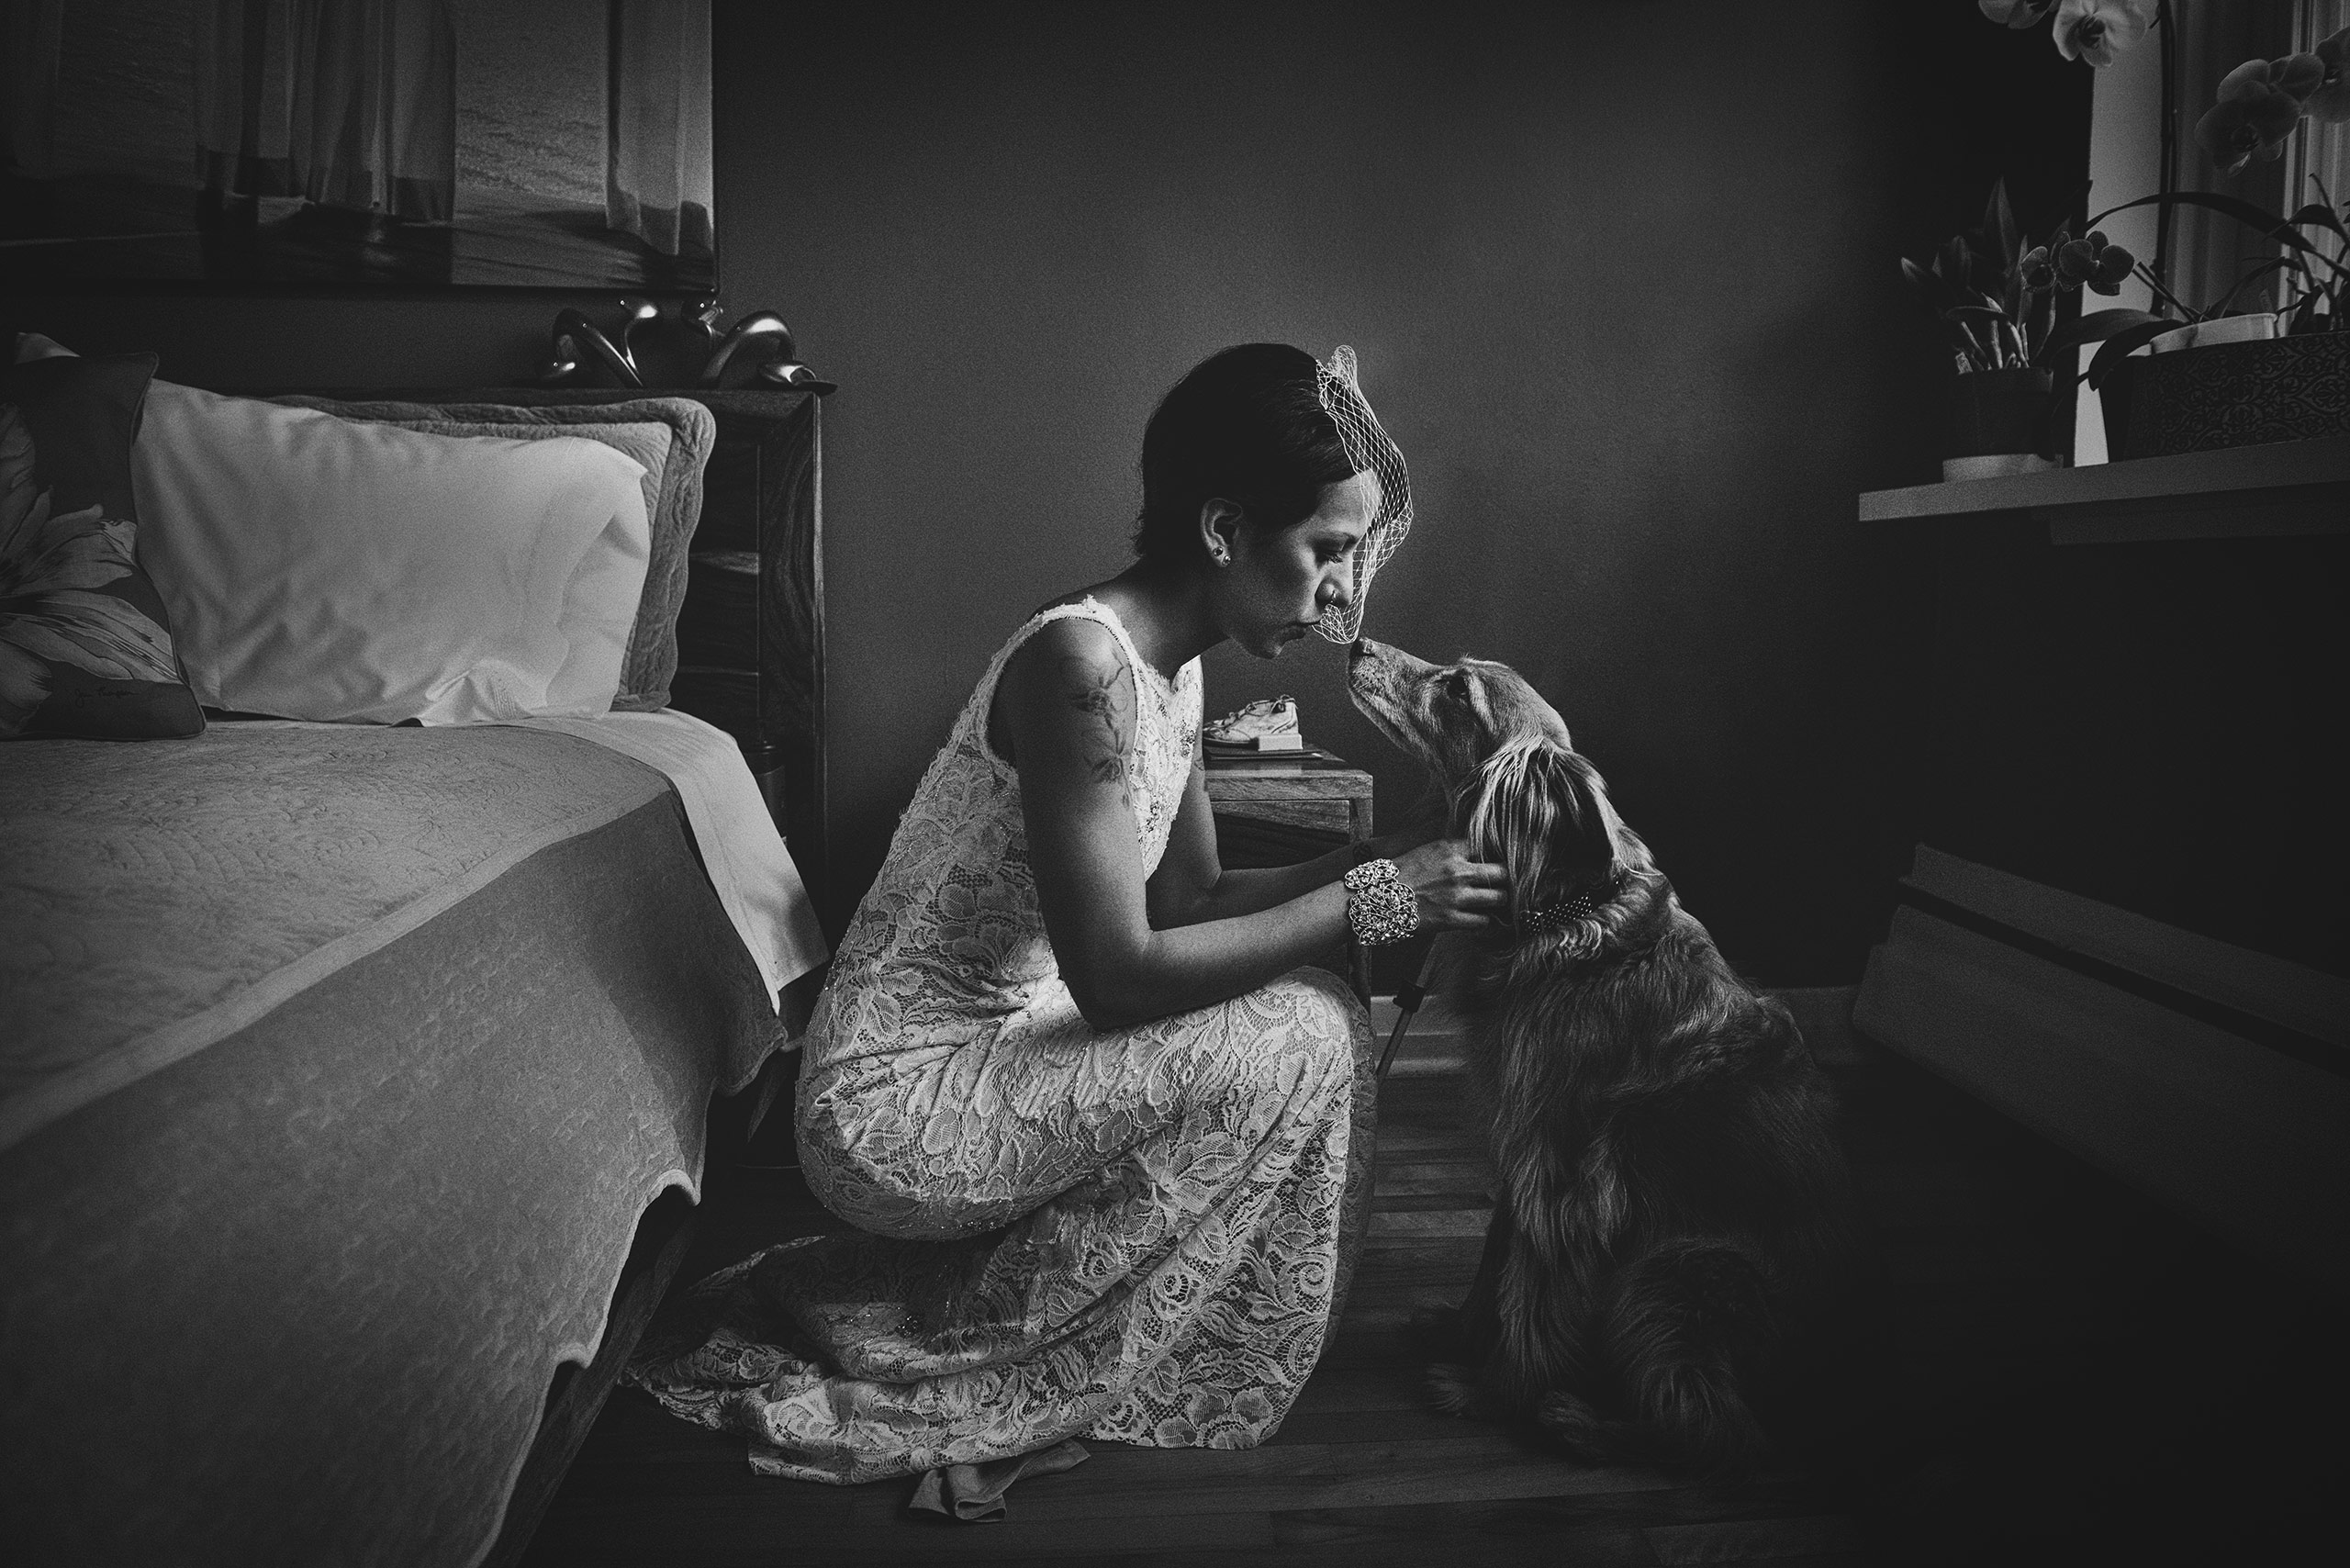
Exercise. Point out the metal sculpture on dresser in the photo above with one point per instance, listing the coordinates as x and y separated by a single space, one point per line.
685 349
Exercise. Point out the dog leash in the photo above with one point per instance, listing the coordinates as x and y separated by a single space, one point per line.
1407 1005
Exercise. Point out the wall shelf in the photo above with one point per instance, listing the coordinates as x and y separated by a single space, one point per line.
2283 488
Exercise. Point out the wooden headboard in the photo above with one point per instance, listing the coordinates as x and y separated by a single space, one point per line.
751 636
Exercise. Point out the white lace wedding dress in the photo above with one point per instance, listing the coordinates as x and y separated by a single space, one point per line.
1140 1235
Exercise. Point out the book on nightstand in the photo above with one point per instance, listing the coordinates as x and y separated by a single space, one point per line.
1249 761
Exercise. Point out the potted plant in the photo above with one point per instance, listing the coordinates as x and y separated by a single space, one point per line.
2245 368
1995 292
2219 379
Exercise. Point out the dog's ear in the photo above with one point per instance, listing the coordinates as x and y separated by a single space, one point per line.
1543 813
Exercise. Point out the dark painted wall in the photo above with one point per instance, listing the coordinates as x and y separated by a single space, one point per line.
1621 279
1620 276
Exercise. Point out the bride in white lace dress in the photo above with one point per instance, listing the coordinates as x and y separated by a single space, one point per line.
1104 1138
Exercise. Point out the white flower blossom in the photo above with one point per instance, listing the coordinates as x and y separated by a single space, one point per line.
2096 31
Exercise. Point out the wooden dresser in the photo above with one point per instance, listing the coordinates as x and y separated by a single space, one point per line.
751 637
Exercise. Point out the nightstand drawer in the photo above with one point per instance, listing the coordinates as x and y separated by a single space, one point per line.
1325 800
1321 815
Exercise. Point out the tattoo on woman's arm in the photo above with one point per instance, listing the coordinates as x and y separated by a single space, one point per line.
1094 693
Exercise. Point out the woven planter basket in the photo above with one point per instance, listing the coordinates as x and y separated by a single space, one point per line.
2237 395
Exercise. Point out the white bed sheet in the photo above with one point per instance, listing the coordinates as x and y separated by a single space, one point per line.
748 863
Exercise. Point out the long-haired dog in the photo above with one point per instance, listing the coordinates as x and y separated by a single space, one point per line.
1670 1191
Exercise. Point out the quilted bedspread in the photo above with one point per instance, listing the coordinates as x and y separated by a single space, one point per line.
336 1067
159 898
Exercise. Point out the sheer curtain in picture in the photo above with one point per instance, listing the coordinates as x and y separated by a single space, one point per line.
657 182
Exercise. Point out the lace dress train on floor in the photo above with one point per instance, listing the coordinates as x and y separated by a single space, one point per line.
1140 1235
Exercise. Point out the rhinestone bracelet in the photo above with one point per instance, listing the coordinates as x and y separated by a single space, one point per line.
1380 906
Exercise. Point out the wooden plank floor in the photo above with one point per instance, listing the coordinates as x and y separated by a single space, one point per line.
2033 1364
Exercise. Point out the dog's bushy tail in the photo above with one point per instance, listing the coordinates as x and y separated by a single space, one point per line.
1685 1319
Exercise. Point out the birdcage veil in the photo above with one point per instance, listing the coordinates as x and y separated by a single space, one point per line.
1369 449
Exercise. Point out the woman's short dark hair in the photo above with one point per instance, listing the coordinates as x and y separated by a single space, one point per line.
1248 425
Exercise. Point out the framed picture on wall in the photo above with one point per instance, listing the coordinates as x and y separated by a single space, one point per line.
403 143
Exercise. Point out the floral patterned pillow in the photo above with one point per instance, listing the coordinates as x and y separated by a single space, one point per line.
86 648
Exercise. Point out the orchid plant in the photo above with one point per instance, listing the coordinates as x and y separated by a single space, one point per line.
2257 107
1995 291
2261 101
2094 30
2258 103
2316 284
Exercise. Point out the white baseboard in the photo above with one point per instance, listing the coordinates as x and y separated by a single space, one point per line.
2250 1140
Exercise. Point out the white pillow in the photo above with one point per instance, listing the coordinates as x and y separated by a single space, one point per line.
599 607
317 568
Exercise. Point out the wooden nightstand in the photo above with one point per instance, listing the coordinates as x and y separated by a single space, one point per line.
1280 818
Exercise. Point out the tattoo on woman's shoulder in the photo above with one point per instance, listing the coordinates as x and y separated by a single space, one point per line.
1104 695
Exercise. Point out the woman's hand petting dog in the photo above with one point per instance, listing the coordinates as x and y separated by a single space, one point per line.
1456 892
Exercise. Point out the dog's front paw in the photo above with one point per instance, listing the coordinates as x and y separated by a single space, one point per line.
1581 1430
1451 1387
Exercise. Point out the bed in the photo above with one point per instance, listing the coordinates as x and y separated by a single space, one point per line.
353 1076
